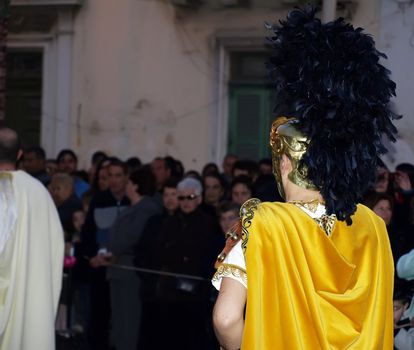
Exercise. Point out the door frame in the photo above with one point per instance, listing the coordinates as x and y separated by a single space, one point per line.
57 49
224 44
264 91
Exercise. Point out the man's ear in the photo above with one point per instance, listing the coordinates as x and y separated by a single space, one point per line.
285 165
19 154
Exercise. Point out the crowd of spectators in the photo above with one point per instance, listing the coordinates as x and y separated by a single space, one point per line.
392 198
170 223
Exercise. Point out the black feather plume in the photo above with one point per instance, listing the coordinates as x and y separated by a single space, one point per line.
328 76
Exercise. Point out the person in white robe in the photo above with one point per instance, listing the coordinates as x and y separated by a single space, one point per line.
31 256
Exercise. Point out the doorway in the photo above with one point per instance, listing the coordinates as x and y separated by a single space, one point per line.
24 94
250 106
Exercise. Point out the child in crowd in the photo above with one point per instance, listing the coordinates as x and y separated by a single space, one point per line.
80 287
72 293
228 215
78 219
403 327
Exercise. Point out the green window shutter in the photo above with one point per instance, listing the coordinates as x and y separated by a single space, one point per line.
249 121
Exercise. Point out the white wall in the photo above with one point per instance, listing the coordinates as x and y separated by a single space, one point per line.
145 78
396 40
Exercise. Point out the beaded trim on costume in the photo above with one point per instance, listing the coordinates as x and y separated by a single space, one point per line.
226 270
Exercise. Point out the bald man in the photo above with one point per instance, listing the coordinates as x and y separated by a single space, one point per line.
31 255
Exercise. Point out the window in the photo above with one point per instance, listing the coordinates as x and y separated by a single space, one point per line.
250 112
23 94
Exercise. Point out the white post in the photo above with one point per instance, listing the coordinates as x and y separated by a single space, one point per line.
64 42
221 117
328 11
48 122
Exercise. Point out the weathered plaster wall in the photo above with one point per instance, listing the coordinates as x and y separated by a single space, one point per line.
145 78
146 75
396 40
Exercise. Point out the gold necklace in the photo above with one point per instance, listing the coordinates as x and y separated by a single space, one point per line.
325 222
311 205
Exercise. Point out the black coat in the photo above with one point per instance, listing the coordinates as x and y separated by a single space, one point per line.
185 248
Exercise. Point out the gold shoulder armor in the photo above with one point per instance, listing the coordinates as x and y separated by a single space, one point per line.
249 206
246 213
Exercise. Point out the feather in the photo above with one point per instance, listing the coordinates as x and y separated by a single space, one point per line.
330 78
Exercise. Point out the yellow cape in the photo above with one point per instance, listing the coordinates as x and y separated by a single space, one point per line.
310 291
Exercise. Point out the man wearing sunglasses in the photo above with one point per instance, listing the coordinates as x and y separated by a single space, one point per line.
186 238
189 195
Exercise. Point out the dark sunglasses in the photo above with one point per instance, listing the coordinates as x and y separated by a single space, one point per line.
189 197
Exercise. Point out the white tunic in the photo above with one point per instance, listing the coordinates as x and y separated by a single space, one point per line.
31 263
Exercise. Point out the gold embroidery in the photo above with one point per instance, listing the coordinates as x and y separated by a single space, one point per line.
226 270
325 222
247 213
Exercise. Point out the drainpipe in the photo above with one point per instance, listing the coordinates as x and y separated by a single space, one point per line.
328 10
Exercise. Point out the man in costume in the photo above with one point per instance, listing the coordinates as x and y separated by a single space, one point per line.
315 272
31 255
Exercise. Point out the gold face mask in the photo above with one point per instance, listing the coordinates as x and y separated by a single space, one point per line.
285 138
